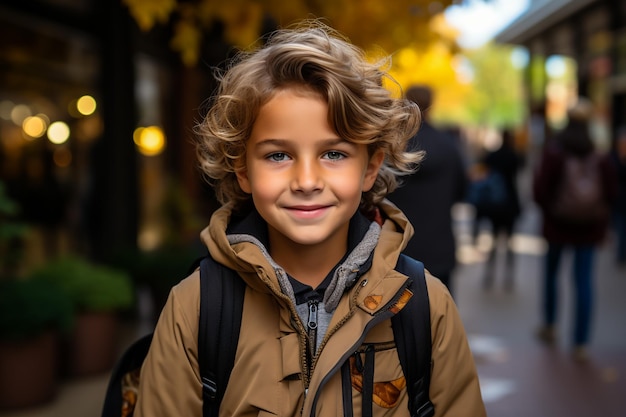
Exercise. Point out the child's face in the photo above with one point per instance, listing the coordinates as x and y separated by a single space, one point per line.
305 181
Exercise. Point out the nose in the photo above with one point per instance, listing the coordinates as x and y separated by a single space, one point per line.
306 177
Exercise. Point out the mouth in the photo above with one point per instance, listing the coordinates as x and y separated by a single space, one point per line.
307 212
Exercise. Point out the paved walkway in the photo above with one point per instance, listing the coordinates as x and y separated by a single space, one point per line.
520 376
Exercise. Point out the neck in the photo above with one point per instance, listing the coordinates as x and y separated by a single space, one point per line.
309 264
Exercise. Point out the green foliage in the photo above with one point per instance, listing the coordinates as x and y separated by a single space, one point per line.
497 97
90 287
7 206
11 232
29 307
159 269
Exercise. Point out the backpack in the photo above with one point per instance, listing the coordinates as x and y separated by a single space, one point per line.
579 196
489 193
221 322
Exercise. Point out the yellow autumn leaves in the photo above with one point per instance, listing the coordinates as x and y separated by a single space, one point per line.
147 13
367 23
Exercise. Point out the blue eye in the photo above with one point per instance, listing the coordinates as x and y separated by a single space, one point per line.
334 155
278 157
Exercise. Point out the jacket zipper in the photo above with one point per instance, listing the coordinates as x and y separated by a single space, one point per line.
381 315
302 330
312 326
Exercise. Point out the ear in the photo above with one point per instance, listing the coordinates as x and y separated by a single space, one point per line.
371 172
242 178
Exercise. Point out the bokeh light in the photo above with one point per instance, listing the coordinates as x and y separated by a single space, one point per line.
19 113
58 132
150 140
86 105
34 126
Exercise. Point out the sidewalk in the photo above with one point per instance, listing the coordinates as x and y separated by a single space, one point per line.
520 376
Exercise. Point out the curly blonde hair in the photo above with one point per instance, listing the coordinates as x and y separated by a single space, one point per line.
314 57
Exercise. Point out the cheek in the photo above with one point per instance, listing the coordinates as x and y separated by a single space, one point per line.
350 184
263 185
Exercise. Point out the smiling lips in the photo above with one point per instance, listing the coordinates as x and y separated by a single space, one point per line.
307 212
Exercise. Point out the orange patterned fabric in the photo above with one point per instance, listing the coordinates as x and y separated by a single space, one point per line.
130 386
386 393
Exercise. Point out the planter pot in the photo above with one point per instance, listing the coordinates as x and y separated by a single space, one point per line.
29 371
93 344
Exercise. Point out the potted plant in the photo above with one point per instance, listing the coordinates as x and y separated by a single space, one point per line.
155 272
12 234
32 315
98 294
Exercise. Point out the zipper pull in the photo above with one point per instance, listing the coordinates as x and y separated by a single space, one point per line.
312 326
312 323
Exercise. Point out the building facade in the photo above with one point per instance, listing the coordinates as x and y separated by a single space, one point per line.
593 34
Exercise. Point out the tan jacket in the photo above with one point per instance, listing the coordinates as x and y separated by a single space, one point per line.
268 376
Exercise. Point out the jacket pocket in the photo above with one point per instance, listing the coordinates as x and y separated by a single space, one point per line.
377 364
290 346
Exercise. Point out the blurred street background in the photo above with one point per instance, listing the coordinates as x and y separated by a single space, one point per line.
99 188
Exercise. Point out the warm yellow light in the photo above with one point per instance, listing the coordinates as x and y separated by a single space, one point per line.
149 140
137 135
34 126
86 105
58 132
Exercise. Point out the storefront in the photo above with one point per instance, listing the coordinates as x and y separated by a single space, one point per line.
591 33
82 69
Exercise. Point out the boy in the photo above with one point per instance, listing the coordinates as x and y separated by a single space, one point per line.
302 143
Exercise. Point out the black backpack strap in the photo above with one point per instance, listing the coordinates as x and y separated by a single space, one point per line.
411 328
221 304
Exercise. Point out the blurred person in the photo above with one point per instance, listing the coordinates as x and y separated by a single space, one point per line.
427 196
538 130
505 162
618 155
581 236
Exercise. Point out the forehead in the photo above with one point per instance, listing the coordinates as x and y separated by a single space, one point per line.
291 115
296 90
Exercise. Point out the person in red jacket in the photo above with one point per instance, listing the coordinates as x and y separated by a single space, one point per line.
582 238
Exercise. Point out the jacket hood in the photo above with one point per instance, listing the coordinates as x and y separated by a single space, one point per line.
247 254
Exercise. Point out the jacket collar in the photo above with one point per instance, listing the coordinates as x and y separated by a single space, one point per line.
240 243
254 225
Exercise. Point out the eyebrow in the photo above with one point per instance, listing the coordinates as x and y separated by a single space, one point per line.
284 142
